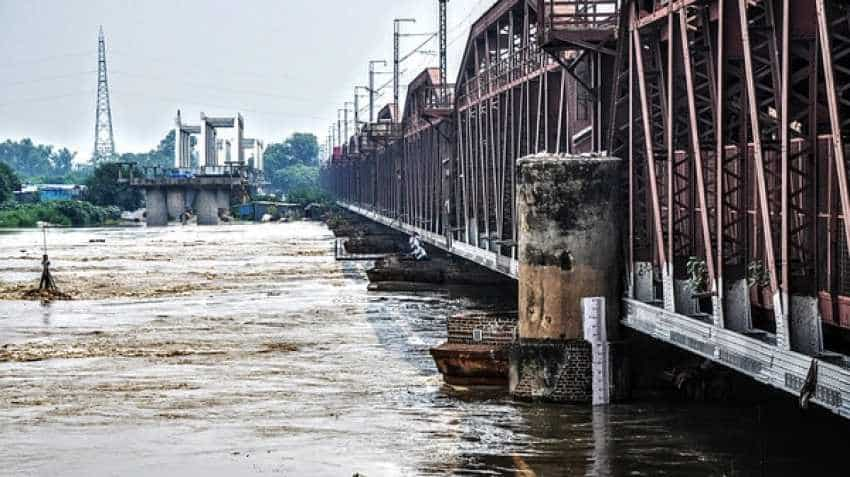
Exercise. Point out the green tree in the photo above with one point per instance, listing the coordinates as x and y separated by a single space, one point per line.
300 183
105 190
298 176
9 183
299 148
33 160
303 148
62 162
166 146
280 159
276 157
162 155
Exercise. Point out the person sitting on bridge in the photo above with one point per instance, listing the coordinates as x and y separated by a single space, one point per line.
413 242
417 251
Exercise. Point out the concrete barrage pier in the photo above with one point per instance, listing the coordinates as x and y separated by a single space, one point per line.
208 195
206 189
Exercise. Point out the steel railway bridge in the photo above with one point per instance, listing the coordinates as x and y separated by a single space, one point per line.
732 116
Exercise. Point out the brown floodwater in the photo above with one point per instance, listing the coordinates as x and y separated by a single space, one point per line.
246 349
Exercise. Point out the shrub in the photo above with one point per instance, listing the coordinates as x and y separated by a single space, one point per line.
67 212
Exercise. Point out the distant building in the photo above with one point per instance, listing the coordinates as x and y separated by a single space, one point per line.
27 195
49 192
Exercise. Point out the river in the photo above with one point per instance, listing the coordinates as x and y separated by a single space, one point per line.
246 349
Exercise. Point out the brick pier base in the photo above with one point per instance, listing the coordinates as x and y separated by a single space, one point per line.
551 371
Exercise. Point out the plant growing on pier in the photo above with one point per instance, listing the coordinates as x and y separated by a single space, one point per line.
697 274
757 274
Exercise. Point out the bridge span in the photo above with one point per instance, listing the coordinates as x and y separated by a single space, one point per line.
731 117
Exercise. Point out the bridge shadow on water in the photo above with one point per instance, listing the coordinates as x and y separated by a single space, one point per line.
658 438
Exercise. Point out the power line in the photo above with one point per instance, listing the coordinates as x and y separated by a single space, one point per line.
47 98
214 87
48 78
202 67
45 59
242 108
472 11
465 31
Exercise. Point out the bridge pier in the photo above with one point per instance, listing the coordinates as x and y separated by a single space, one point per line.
568 210
176 202
156 209
222 197
207 206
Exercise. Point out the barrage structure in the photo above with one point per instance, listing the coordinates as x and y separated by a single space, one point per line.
222 172
732 118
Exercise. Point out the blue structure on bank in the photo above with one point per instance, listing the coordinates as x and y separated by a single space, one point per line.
257 209
50 192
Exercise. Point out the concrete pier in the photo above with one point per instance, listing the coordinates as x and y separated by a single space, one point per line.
569 248
222 197
206 205
176 202
156 210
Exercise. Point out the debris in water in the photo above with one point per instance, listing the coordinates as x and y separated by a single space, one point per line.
46 295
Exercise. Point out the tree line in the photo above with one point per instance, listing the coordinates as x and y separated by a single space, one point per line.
28 159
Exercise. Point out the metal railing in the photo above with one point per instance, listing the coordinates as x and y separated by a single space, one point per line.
437 97
382 130
577 15
135 174
503 72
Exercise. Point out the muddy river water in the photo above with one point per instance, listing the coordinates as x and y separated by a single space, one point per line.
246 349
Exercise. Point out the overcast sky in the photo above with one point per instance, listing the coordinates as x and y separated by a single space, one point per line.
287 65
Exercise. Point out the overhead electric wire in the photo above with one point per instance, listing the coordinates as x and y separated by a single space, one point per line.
195 66
214 87
48 78
218 106
464 32
43 59
46 98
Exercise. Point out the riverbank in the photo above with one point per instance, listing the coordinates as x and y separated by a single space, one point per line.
63 213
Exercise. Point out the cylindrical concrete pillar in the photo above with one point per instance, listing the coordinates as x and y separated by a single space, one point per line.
569 242
569 248
156 211
207 207
176 201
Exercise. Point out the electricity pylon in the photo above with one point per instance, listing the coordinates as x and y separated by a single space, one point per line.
104 142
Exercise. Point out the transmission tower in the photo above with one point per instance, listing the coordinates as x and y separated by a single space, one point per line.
104 143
